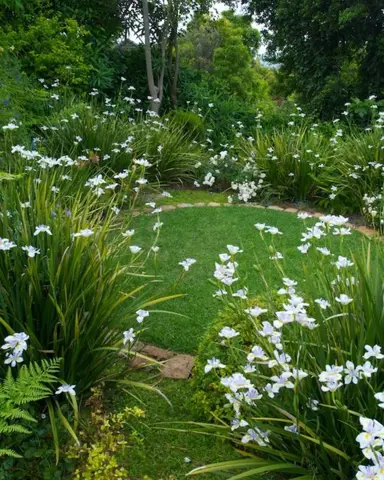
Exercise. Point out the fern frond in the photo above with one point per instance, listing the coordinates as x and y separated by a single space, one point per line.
13 428
32 382
8 452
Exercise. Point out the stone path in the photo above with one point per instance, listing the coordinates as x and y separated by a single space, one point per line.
292 210
179 366
173 365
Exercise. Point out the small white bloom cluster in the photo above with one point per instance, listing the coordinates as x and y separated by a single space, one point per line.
14 346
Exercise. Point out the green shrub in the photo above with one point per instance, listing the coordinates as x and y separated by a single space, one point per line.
65 285
209 396
356 171
51 48
190 122
20 99
117 140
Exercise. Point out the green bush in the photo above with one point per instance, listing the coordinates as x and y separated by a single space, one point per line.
51 48
190 123
20 98
65 284
118 139
209 395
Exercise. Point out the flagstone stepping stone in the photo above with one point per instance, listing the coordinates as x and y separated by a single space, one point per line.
178 367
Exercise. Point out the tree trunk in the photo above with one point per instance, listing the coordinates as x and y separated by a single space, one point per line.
153 90
175 78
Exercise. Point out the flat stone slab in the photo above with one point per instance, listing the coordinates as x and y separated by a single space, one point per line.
184 205
291 210
214 204
366 230
156 352
275 207
166 208
199 204
178 367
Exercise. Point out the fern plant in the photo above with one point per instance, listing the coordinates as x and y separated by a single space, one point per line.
31 384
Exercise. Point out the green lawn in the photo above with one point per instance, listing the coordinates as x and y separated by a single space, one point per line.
162 454
202 233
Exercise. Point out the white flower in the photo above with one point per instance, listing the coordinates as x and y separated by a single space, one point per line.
304 248
304 215
282 381
6 244
313 404
373 352
256 435
187 263
115 210
213 363
232 249
157 226
121 175
242 293
129 336
249 368
141 181
66 389
256 353
351 373
380 396
10 126
42 228
260 226
187 460
277 256
255 311
343 262
367 369
236 382
209 179
236 423
372 430
291 428
324 251
135 249
14 358
344 299
128 233
331 377
141 314
17 342
324 304
31 251
86 232
299 374
224 257
228 332
273 231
